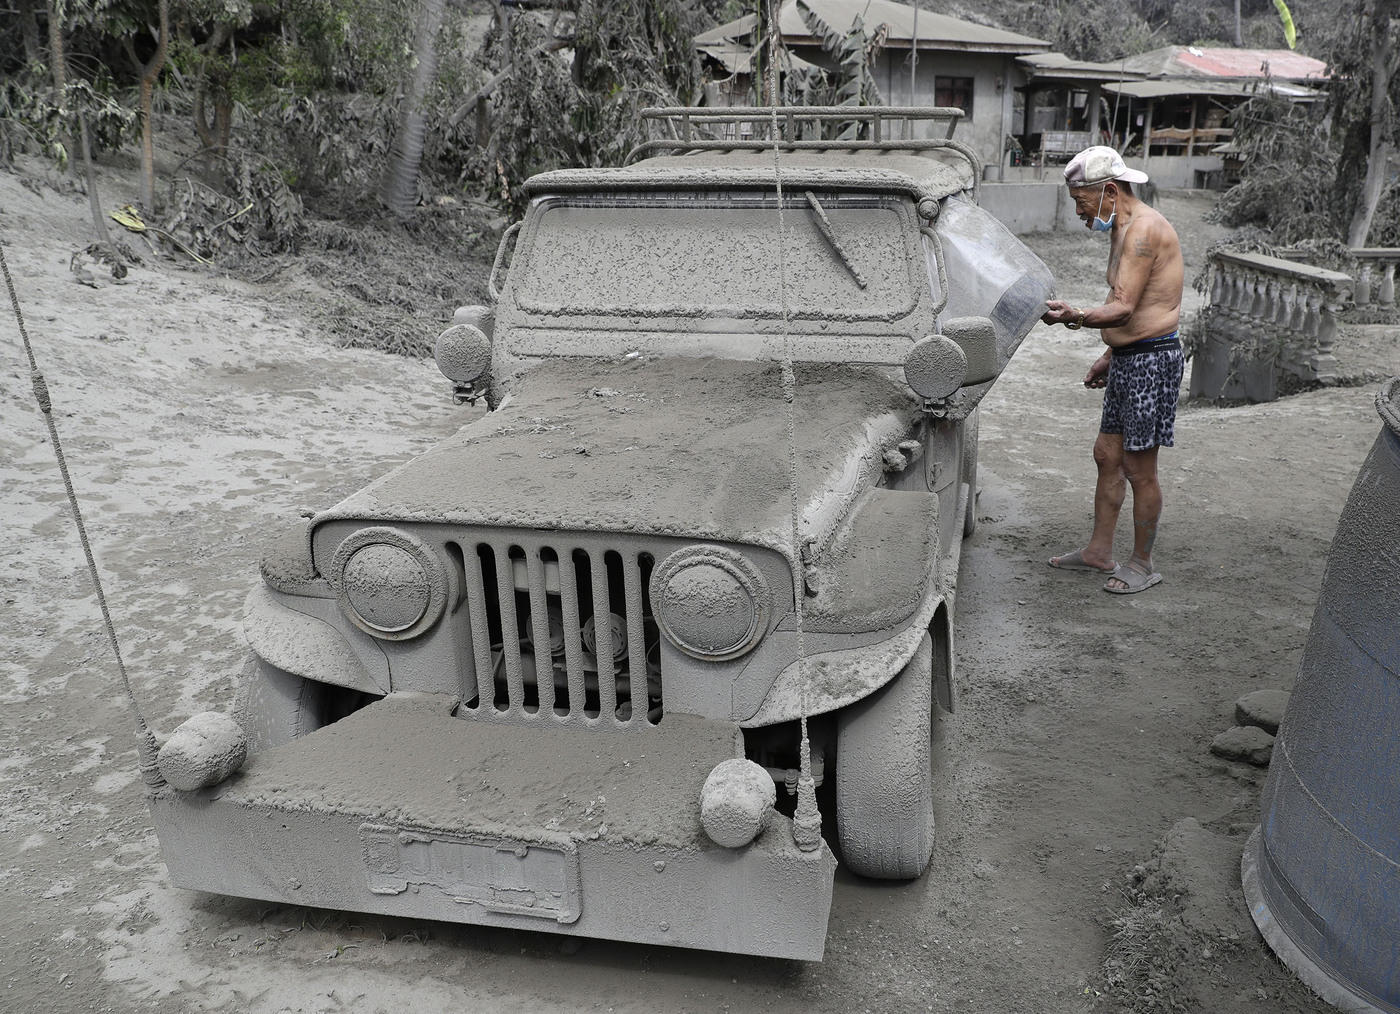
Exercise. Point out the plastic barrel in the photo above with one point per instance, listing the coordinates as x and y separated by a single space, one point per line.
1322 871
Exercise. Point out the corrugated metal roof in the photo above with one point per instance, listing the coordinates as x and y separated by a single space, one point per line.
1189 61
935 31
1059 66
1205 86
737 57
727 32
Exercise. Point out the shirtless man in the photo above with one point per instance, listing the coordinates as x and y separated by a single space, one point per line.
1141 368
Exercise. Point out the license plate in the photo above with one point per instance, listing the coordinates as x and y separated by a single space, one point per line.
499 874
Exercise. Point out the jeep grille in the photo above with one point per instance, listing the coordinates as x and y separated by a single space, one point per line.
560 630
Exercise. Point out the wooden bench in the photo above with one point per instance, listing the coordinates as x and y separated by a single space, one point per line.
1063 145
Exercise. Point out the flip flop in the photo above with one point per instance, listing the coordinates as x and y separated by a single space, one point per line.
1134 577
1075 561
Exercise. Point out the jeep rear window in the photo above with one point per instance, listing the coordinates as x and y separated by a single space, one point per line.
717 255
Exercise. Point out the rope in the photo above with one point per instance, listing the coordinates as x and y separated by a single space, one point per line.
806 829
146 744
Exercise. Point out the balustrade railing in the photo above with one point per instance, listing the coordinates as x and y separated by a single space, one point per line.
1268 320
1375 280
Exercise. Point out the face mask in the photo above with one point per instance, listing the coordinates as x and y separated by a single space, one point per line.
1099 225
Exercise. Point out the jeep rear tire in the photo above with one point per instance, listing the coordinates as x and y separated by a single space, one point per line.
275 707
884 775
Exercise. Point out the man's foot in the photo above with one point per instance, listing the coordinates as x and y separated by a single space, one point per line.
1076 561
1130 578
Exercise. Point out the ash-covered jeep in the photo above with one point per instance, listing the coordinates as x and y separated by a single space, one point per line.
553 673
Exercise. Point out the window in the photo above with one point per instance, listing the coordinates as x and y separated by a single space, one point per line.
716 256
953 91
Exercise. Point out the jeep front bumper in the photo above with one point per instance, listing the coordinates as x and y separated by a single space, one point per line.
404 810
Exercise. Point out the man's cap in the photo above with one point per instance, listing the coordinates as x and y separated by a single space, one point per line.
1100 164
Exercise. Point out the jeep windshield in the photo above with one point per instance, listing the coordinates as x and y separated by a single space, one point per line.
716 255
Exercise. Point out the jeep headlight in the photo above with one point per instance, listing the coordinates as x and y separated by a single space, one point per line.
389 583
710 602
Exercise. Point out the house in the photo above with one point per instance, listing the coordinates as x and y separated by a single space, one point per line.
1027 110
926 59
1172 120
1061 109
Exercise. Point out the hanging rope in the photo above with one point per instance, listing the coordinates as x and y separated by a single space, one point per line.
146 741
807 821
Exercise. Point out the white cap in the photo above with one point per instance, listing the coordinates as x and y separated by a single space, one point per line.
1100 164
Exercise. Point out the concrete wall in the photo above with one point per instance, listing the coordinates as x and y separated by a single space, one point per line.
1167 172
1031 207
1176 171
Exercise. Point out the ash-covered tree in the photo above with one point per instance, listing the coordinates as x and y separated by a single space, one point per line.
853 52
142 29
569 81
1321 171
1363 57
399 188
1098 30
1290 170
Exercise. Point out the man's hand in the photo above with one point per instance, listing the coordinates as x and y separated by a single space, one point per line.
1098 373
1058 312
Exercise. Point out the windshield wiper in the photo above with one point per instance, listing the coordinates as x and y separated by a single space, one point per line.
824 224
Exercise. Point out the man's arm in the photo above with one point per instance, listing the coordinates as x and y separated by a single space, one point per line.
1134 269
1098 372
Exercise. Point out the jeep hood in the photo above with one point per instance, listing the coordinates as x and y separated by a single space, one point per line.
671 446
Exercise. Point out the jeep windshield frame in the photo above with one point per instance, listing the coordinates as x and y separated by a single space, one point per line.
714 255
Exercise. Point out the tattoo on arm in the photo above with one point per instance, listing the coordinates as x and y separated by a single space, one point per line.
1142 247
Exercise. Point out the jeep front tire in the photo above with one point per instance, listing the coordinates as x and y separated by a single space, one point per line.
884 775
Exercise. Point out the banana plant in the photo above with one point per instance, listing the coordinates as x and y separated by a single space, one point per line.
1290 30
854 52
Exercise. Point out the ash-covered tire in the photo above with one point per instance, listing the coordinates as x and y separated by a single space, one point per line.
884 775
969 470
275 707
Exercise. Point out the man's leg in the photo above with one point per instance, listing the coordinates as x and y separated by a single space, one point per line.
1110 490
1140 467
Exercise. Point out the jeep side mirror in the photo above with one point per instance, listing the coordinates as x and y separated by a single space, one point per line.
935 367
977 338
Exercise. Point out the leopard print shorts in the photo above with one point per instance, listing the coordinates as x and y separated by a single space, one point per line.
1140 400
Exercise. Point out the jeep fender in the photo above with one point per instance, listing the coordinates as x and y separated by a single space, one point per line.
831 680
304 645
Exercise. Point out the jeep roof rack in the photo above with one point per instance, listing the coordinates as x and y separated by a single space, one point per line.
686 118
738 128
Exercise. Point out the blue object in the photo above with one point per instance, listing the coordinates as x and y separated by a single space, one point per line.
1322 871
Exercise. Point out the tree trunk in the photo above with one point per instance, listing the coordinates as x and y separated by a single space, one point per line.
399 188
99 224
150 73
213 135
57 56
29 30
1382 45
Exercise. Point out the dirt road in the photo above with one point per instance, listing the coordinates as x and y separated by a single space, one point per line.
196 411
